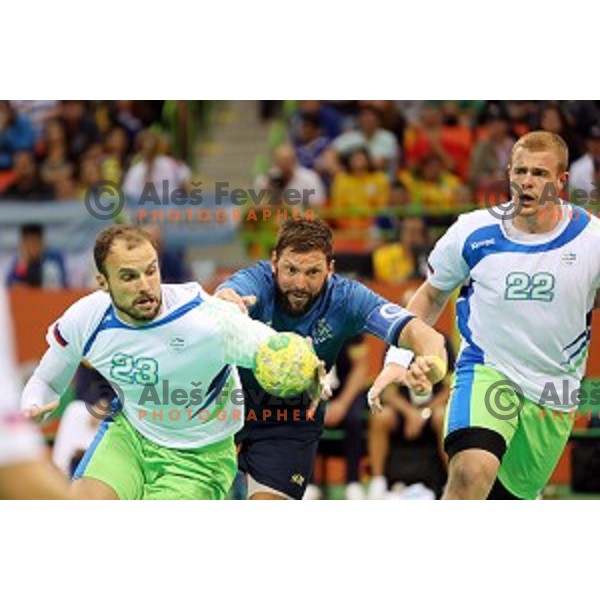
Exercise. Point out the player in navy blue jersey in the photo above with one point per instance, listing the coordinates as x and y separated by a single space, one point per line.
298 291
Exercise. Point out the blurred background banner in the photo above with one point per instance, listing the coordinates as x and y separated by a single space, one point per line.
68 225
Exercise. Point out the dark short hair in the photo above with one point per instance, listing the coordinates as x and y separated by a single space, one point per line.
305 235
133 236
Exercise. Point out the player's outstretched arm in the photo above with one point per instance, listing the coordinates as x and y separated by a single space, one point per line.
395 368
391 373
48 383
240 334
241 337
430 364
242 302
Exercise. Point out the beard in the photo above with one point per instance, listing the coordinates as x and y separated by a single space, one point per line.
137 313
297 306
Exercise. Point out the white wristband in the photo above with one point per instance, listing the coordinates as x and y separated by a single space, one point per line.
398 356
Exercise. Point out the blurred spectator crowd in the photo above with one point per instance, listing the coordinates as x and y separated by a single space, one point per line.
392 175
54 149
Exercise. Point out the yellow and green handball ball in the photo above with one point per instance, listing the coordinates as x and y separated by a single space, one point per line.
285 365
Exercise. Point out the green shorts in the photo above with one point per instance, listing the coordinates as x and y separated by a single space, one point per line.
138 469
486 412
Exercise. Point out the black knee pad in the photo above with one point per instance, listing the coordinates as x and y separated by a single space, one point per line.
477 438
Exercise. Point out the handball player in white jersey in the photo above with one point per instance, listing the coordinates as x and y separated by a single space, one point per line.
528 279
170 353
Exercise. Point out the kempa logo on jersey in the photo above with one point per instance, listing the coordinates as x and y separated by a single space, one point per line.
105 200
505 400
483 243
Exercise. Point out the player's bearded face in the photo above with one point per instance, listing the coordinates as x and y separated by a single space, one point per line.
300 278
538 181
133 282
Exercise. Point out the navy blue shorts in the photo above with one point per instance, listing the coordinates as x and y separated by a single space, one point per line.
280 456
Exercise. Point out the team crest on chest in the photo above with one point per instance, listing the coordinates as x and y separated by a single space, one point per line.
322 332
177 344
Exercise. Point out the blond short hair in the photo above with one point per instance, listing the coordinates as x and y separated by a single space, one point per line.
544 141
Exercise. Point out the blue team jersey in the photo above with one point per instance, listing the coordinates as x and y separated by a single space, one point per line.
344 309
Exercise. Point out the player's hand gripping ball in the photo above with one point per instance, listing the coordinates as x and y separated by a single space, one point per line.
286 365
